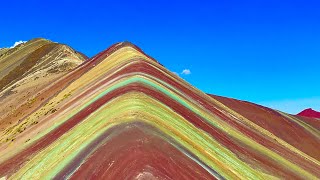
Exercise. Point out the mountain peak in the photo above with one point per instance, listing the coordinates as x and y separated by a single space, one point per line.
131 50
309 113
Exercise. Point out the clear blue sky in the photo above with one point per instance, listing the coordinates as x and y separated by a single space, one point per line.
266 52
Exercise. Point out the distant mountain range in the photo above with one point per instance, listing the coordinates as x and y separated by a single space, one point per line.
122 115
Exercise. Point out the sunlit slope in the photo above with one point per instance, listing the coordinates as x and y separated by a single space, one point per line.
302 134
3 51
27 70
123 115
13 57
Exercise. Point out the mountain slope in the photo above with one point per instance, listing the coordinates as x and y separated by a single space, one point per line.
298 133
14 56
3 51
123 115
309 113
28 69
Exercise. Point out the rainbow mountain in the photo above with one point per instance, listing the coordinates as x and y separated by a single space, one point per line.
122 115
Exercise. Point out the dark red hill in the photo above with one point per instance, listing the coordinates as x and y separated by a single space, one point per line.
309 113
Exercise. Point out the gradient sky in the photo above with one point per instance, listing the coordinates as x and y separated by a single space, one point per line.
267 52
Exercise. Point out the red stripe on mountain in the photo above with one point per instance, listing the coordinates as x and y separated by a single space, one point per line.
131 150
141 66
12 164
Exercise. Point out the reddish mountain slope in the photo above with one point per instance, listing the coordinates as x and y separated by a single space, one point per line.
309 113
285 126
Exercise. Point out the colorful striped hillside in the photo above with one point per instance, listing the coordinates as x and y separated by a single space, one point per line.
122 115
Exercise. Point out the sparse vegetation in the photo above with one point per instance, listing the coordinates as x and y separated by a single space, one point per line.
31 101
66 96
53 110
27 64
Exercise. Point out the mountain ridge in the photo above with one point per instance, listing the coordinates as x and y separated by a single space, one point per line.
123 98
36 64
